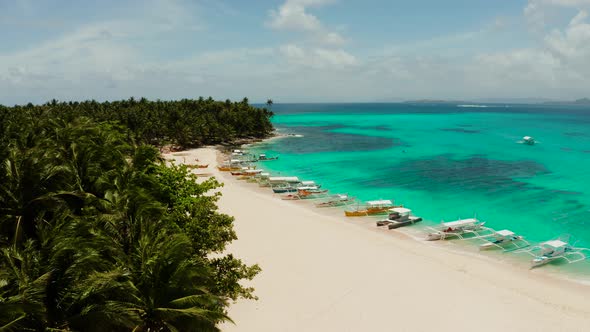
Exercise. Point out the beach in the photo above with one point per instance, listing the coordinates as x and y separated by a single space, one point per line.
322 273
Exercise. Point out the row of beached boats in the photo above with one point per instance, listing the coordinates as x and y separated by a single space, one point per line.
292 188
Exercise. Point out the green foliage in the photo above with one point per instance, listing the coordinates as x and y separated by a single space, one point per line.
185 122
97 233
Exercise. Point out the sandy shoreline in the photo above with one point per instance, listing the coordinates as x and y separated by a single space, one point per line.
323 274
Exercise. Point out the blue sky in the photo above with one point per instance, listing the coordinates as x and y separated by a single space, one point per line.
294 50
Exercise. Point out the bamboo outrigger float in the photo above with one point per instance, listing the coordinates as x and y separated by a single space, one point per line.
504 239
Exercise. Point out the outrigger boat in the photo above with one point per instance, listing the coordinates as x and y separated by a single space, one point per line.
246 171
371 208
311 190
399 217
264 157
504 239
336 200
258 178
305 193
552 250
458 228
248 174
309 184
280 182
283 188
528 140
284 179
234 165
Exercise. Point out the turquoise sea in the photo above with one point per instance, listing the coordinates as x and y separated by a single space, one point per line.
448 161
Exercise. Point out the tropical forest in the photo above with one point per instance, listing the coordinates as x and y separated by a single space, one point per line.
99 233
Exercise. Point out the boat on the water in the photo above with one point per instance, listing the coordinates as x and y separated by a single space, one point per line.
310 191
283 188
371 208
457 229
247 173
234 165
528 140
399 217
553 250
264 157
284 179
259 177
336 200
283 184
503 239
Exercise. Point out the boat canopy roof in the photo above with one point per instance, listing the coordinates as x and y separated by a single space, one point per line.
264 174
308 188
555 243
308 183
505 232
263 155
527 138
283 179
342 196
461 222
401 210
380 202
253 171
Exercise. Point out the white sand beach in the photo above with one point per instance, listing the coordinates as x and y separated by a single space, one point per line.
321 273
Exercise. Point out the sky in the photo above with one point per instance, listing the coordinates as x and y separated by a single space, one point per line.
294 50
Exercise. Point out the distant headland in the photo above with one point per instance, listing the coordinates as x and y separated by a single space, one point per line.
540 101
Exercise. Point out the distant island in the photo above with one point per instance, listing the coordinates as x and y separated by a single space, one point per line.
436 101
582 101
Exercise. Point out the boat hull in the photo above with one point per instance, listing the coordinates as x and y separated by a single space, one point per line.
284 190
368 212
397 224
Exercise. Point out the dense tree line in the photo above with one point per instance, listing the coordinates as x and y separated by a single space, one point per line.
185 122
97 233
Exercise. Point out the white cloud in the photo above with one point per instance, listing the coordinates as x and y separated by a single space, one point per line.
293 15
537 12
317 57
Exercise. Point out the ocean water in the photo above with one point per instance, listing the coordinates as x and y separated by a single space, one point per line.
447 161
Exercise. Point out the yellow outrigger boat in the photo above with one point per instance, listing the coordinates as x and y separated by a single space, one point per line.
371 208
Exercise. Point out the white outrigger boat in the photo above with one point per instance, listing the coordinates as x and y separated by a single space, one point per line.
458 228
304 192
399 217
264 157
528 140
504 239
336 200
549 251
258 178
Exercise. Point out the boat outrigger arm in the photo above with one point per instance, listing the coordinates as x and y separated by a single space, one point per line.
553 250
504 239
